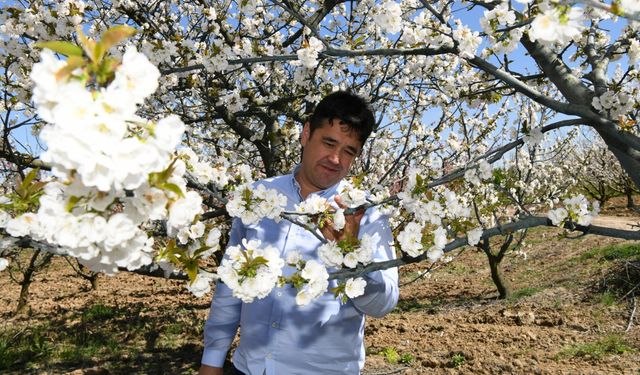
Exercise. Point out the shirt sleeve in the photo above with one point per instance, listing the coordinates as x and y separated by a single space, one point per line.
224 315
381 293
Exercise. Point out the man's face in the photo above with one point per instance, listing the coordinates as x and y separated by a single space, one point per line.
327 156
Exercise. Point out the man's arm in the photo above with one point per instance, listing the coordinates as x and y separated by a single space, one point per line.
381 293
221 326
208 370
224 317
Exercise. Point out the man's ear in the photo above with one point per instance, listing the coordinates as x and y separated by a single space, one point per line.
306 133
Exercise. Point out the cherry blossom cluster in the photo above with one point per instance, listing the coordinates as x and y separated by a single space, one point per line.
252 205
613 104
576 209
311 278
251 271
349 252
351 196
320 208
308 55
388 16
556 24
494 21
112 171
476 175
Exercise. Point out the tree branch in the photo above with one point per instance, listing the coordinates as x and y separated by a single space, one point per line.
528 222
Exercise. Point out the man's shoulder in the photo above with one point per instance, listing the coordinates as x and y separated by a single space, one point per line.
276 182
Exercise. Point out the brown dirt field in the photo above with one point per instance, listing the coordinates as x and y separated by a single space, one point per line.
448 322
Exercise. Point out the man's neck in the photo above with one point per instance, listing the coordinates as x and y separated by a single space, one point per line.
305 190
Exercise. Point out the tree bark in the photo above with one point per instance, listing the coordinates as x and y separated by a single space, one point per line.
504 290
23 300
629 193
38 261
94 281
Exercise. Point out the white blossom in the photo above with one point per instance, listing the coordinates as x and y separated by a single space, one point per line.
245 286
252 205
473 236
388 16
293 257
355 287
308 55
330 254
534 137
339 220
4 263
553 26
317 282
557 215
410 239
201 285
184 210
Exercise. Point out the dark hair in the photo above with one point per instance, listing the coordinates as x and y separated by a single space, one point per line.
347 107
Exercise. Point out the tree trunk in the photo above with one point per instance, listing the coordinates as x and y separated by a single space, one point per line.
504 290
94 281
629 193
625 147
23 300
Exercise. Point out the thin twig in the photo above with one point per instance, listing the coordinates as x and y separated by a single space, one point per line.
633 313
433 267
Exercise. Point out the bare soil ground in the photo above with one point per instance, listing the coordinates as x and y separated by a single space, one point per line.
447 322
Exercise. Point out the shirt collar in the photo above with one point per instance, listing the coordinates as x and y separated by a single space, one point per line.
327 193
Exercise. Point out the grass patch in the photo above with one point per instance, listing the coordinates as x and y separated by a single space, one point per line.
18 347
456 360
524 292
608 298
614 252
392 356
608 345
98 336
99 312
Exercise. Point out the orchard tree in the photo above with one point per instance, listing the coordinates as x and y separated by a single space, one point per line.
149 121
599 174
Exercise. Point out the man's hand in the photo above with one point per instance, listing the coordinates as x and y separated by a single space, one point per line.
351 224
208 370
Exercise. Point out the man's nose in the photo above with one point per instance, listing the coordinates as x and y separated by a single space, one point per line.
334 157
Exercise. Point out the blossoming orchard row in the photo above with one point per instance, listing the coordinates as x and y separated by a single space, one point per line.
134 179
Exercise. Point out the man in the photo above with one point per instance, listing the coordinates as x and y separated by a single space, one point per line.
326 336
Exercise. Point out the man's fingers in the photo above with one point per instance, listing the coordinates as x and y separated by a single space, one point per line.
339 202
328 233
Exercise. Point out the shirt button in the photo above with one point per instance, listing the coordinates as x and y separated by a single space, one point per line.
279 294
269 355
274 325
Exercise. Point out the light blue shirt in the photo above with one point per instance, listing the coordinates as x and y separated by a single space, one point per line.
276 335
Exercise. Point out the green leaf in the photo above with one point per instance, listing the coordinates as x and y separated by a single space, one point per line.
192 271
72 202
172 188
88 45
23 188
63 48
30 176
73 63
110 38
105 71
358 41
168 252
